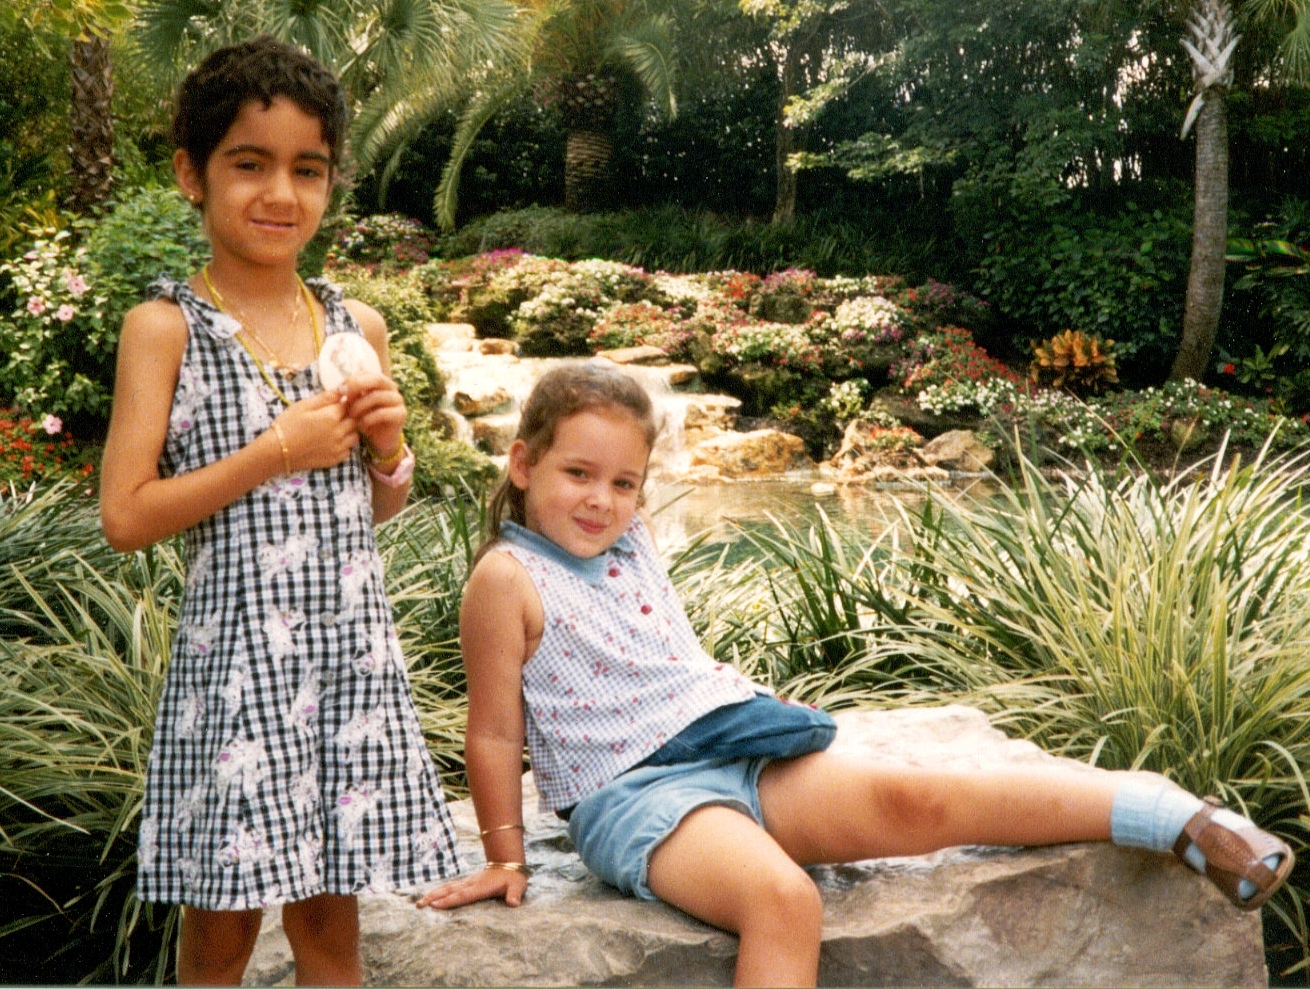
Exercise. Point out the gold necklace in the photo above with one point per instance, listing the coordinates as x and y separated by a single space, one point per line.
263 372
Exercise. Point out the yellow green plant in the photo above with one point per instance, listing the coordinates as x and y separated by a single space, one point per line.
1075 361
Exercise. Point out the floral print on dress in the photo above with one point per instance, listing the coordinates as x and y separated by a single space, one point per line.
198 571
354 503
148 842
303 713
239 678
192 392
355 574
353 806
241 763
279 629
379 876
201 636
309 856
190 715
304 790
255 396
288 556
244 846
190 804
369 726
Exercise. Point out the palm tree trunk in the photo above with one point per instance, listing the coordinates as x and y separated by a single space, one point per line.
586 171
1211 46
92 122
1205 279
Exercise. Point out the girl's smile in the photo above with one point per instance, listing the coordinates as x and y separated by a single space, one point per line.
582 492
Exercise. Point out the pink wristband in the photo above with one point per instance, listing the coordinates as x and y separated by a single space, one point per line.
398 477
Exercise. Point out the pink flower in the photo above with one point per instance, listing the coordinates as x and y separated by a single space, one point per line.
64 313
76 284
36 305
52 424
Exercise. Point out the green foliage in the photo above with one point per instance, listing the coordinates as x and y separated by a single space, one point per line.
1120 277
1074 361
1273 358
671 238
382 243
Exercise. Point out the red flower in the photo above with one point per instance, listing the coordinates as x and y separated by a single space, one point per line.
1229 368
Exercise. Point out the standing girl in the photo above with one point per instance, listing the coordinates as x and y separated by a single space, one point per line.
682 780
288 764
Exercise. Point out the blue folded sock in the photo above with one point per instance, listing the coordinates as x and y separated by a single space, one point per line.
1149 814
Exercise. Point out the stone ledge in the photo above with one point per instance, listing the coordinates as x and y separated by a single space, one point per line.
1086 915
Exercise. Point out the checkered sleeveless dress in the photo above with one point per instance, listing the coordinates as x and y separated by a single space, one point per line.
288 759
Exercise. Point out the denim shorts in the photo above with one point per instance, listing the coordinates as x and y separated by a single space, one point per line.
617 828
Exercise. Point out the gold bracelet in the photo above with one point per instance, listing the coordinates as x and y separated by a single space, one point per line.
503 827
282 441
511 867
382 463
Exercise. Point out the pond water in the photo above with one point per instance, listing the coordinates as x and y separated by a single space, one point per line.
718 511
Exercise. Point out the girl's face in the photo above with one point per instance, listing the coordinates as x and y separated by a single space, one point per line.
582 492
265 187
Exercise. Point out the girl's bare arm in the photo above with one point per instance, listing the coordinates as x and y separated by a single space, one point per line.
499 626
374 402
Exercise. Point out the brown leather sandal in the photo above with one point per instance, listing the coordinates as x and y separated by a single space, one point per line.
1234 854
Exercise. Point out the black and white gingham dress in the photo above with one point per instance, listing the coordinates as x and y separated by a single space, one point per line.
288 759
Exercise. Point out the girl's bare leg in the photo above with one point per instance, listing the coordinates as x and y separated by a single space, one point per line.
843 806
324 935
723 868
215 945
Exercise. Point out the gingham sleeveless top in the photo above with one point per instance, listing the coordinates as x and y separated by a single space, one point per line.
619 670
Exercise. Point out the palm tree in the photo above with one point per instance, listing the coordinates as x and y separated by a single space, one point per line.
1213 42
577 55
400 61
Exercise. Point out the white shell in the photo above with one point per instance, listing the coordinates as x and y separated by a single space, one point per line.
343 356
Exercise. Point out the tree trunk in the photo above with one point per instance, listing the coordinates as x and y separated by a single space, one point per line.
586 171
92 123
1205 279
784 203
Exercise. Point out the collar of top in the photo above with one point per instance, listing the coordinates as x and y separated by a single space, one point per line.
589 568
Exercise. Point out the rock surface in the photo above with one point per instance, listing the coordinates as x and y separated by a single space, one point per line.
1087 915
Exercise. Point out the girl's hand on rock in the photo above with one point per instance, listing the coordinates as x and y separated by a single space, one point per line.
488 884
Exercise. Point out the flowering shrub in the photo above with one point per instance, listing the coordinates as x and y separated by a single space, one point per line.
846 399
738 287
382 242
56 341
32 451
943 356
780 344
642 323
1210 410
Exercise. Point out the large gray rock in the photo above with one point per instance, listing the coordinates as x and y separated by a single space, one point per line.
1086 915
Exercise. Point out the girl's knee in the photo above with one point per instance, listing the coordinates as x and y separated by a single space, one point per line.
214 944
326 924
789 896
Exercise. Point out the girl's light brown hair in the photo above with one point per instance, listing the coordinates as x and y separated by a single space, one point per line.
559 393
